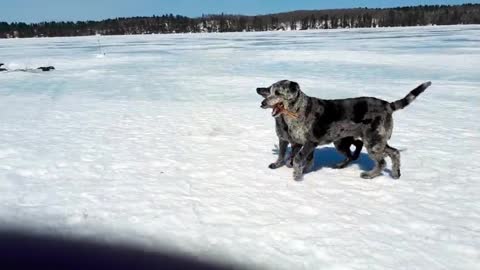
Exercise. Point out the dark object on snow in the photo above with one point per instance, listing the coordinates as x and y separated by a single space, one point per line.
46 68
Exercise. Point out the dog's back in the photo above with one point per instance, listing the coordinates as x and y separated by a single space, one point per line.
356 110
362 109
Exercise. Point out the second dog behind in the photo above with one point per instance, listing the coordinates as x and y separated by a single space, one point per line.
281 128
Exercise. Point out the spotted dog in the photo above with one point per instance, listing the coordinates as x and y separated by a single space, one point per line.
281 128
321 121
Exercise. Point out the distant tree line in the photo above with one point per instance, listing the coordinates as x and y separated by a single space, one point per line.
295 20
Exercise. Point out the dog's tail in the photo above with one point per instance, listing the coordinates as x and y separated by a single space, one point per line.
404 102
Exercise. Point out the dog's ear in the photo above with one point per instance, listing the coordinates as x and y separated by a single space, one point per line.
263 91
293 90
294 87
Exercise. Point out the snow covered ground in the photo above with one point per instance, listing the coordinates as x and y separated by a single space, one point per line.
161 142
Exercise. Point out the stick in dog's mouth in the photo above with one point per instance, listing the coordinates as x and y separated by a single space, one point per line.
277 109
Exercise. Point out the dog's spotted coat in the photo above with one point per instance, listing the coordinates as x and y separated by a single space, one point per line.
323 121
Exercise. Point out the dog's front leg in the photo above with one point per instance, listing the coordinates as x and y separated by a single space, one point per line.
293 153
281 155
300 160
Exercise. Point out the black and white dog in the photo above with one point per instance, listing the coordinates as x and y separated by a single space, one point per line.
317 121
342 145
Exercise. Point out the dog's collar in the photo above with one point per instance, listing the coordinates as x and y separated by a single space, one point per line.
298 102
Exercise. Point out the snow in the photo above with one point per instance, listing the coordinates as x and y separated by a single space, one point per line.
161 142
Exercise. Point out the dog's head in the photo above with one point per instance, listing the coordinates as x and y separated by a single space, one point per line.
278 96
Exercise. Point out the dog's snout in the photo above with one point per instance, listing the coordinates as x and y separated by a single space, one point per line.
264 104
259 90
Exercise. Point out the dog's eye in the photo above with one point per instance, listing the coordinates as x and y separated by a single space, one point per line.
277 93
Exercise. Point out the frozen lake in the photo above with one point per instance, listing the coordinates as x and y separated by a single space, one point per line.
160 140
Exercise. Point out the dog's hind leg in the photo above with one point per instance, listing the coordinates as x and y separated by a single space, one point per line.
377 155
343 146
375 138
293 153
281 155
394 154
375 143
358 149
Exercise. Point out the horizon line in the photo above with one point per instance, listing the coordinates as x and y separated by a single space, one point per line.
232 14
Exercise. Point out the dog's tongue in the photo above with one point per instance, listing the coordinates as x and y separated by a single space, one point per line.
276 110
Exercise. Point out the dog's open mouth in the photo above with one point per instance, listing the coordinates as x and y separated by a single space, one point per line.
277 109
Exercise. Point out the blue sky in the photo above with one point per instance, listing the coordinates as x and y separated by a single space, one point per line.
46 10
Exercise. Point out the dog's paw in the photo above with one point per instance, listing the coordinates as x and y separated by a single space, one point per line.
367 175
297 176
275 165
342 164
396 174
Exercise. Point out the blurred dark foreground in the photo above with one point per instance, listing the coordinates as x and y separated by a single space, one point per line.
21 250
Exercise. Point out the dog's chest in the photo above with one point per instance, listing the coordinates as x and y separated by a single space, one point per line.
297 130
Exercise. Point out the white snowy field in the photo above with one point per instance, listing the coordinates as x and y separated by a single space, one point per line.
161 142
